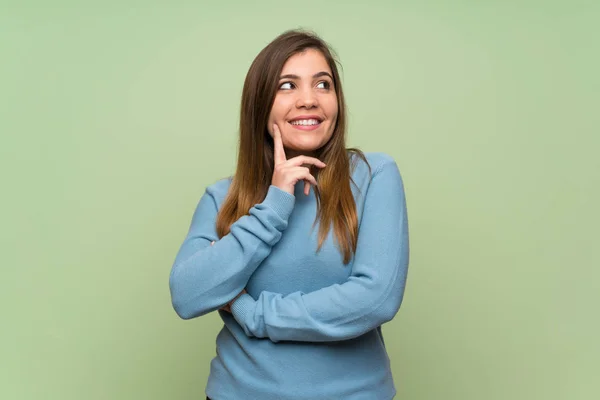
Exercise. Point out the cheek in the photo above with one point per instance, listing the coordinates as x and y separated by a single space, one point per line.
274 117
335 113
331 109
278 111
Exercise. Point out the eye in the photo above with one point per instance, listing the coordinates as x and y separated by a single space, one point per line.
286 85
324 85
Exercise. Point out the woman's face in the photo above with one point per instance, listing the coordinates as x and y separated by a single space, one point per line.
305 108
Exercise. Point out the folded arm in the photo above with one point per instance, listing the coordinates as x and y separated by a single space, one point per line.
204 277
370 297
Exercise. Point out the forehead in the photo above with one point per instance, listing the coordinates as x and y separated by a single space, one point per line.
307 63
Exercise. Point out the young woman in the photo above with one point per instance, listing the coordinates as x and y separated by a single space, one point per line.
303 279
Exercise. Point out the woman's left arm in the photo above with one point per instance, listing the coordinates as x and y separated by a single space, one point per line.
370 297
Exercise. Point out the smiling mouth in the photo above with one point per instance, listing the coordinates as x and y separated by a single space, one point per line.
309 124
305 122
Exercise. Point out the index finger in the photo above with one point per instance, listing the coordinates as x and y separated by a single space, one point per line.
279 155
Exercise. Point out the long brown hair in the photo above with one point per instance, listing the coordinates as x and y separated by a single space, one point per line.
250 184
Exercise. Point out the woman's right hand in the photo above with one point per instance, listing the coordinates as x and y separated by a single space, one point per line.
288 172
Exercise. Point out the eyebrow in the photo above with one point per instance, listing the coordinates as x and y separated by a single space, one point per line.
317 75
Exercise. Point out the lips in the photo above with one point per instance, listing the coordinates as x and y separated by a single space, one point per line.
305 118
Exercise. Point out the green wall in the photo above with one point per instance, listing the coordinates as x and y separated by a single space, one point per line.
114 117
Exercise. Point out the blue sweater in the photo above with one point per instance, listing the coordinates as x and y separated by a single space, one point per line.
310 326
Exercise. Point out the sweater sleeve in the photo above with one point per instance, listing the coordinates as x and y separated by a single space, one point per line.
203 277
370 297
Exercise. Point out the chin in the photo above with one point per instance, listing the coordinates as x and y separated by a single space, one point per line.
302 149
305 146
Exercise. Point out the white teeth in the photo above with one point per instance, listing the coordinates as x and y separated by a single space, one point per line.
305 122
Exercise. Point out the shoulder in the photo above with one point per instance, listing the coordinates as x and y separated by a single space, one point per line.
218 190
376 162
380 160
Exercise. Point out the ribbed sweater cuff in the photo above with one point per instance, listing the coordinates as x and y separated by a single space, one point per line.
242 308
280 201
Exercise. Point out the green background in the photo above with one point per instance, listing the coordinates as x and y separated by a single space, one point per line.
116 115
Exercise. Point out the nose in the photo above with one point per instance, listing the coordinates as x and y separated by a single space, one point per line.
306 99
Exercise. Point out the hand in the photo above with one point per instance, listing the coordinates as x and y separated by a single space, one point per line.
227 307
287 172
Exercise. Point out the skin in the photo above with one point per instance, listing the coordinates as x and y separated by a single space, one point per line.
287 172
305 89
